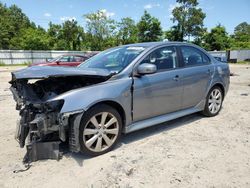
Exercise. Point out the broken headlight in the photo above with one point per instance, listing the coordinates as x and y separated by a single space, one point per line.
54 106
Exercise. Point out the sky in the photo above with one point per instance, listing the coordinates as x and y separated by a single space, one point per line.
229 13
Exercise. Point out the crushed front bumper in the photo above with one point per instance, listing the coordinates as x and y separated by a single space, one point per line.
42 150
41 135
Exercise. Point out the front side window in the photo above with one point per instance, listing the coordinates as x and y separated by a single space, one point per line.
113 60
164 58
193 56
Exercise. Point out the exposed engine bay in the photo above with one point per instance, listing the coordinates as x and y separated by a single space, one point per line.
37 91
41 126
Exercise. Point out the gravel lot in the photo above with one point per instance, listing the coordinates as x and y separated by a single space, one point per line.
193 151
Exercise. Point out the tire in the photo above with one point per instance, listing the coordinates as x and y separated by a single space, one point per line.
99 130
212 100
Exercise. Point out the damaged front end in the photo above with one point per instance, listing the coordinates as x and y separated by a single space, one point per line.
39 128
42 128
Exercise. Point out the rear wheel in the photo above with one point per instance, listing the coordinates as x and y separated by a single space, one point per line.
213 102
100 129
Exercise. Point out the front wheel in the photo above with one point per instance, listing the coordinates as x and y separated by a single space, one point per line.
100 129
213 102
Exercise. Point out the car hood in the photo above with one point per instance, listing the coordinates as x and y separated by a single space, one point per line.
40 72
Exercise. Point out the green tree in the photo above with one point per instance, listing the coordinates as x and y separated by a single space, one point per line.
54 32
149 28
68 36
242 32
12 21
100 30
72 34
189 20
127 31
31 39
217 39
173 34
241 36
5 26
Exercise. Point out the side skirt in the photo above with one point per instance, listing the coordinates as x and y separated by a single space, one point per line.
159 119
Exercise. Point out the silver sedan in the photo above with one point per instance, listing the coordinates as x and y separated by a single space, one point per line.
122 89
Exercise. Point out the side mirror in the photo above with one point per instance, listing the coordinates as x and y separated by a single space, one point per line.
146 68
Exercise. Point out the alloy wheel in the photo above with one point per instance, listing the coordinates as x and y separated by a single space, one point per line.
100 131
214 101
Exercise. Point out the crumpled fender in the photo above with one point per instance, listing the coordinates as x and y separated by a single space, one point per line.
118 91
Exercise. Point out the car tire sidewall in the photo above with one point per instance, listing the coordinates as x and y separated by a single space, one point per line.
206 110
86 117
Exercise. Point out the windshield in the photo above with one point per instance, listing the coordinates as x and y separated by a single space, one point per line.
113 60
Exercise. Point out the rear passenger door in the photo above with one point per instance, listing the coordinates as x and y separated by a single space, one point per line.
196 75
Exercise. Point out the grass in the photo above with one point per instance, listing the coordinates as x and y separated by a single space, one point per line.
243 62
2 64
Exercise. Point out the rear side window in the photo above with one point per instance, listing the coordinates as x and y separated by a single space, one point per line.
66 59
193 56
78 59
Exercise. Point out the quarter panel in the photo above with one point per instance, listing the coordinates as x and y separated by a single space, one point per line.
221 76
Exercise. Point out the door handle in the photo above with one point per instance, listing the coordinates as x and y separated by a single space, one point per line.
208 71
176 78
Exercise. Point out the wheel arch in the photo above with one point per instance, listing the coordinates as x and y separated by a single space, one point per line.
221 86
117 106
75 119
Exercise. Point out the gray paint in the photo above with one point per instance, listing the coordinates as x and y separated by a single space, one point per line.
195 81
37 72
159 119
157 94
156 97
82 99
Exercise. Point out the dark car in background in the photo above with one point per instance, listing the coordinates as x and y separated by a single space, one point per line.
66 60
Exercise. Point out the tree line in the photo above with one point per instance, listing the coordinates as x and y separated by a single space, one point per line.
102 32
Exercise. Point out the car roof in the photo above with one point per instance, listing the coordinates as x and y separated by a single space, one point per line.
73 55
153 44
82 55
156 44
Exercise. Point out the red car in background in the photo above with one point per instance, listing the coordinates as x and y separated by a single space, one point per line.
66 60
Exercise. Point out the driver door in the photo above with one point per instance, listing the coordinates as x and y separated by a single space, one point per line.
159 93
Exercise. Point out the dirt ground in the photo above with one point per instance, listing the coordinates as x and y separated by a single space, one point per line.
193 151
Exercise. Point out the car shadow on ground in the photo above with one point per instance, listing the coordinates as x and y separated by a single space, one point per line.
78 157
159 128
141 134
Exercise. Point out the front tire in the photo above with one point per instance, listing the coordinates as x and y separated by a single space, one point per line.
214 102
100 129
